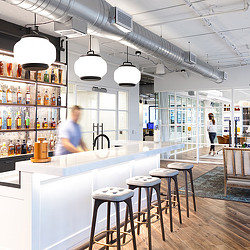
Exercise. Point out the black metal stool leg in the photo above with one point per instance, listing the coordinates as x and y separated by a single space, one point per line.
97 203
129 206
149 219
178 197
139 211
186 190
126 223
170 204
157 189
108 223
117 206
192 187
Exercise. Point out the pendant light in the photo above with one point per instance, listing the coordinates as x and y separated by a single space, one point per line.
34 51
127 75
160 69
90 67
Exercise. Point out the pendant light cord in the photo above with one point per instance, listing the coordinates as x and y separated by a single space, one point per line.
127 54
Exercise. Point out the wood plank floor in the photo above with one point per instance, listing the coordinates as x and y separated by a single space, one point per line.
217 224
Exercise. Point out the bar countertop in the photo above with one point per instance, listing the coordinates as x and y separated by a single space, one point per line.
77 163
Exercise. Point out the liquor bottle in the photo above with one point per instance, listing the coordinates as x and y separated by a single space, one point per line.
53 76
18 121
1 121
46 76
9 69
9 121
46 98
4 150
27 120
39 98
19 96
29 146
45 123
53 100
1 95
56 75
18 147
37 123
23 151
11 149
9 95
27 96
19 71
51 143
53 123
59 101
1 68
60 75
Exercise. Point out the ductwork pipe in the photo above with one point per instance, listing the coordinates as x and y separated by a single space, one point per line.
96 14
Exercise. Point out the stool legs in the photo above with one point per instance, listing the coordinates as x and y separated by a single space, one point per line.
108 224
117 208
178 197
149 219
192 187
186 191
170 204
139 211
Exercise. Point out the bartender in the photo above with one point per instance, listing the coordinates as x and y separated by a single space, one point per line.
69 135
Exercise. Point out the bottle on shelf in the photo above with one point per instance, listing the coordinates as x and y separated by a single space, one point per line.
59 100
9 95
29 146
39 98
56 75
27 96
9 121
1 121
46 98
24 150
9 69
51 143
37 124
60 75
19 96
53 123
11 149
53 76
46 76
18 147
18 121
1 95
1 68
45 123
27 121
4 150
19 71
53 100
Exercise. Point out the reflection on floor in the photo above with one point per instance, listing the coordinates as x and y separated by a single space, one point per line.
217 224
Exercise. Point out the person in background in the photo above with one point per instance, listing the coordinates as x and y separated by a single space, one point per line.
69 135
211 128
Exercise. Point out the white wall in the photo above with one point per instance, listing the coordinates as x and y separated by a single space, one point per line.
75 50
238 77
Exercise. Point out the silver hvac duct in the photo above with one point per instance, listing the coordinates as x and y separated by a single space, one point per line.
96 14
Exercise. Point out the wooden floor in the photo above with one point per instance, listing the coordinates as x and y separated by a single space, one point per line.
217 224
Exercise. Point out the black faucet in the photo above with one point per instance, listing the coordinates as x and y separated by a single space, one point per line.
101 135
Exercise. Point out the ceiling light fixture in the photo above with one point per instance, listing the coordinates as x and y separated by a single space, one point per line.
127 75
90 67
34 51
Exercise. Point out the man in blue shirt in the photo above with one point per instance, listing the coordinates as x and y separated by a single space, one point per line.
69 135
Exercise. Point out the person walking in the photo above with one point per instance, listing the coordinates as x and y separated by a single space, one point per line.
69 135
211 128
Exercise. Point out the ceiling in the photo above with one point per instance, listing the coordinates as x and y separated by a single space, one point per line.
217 31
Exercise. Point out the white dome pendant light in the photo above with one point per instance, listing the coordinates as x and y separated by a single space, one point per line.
127 75
90 67
34 51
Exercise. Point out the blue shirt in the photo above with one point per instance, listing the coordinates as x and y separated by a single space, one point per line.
68 130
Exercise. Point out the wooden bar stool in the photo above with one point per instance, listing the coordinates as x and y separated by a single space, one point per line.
169 174
148 183
115 195
185 168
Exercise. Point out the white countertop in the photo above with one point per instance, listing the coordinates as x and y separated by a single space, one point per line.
77 163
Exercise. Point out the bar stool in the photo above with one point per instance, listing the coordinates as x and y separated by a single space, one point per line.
115 195
185 168
148 183
169 174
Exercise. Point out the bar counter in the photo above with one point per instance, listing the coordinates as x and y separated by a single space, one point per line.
51 205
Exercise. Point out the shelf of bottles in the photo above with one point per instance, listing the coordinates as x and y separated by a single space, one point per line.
31 105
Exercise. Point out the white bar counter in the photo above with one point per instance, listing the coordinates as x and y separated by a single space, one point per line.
52 208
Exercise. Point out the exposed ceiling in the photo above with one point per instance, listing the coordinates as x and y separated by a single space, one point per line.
217 31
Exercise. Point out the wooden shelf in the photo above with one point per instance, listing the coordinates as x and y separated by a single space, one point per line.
44 129
17 105
16 130
51 106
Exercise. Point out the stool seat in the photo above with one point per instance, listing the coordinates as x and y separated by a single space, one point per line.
143 181
163 172
113 194
180 166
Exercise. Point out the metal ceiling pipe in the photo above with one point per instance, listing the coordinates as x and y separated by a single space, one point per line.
96 13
